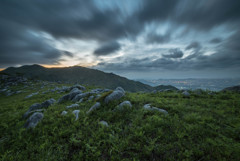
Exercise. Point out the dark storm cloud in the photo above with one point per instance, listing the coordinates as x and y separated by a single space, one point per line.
174 53
86 21
216 40
194 45
157 10
205 15
107 48
157 38
19 46
225 57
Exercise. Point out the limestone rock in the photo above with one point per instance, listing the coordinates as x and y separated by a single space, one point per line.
33 120
33 94
148 107
64 113
72 106
94 107
76 112
115 95
48 103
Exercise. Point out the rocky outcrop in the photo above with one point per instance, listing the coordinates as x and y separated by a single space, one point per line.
80 96
33 120
76 112
64 113
38 106
115 95
123 104
148 107
94 107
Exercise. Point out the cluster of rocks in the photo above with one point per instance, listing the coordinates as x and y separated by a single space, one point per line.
12 80
76 95
36 111
57 89
9 92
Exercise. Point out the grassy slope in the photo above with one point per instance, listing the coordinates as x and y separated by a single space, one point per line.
200 128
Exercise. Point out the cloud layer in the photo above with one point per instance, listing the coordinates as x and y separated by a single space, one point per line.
192 35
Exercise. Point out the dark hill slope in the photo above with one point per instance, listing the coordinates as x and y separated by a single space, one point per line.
165 87
77 74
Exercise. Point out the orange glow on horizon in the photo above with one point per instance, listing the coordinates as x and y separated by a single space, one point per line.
63 66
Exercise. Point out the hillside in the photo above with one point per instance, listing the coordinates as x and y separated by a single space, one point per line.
165 87
232 89
77 74
151 126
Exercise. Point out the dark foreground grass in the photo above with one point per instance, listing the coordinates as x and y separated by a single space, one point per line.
202 127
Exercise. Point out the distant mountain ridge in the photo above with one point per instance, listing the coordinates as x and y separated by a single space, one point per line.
77 74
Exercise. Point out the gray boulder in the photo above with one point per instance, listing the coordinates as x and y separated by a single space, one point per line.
74 93
70 96
48 103
79 87
64 113
148 107
33 120
80 96
74 90
35 106
72 106
64 98
94 107
120 89
31 112
125 103
76 112
115 95
90 98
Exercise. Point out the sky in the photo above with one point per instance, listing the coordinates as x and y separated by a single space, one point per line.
138 39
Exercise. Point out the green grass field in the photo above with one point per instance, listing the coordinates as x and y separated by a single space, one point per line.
202 127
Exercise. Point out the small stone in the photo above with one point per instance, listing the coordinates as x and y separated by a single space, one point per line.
72 106
33 94
76 112
64 113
